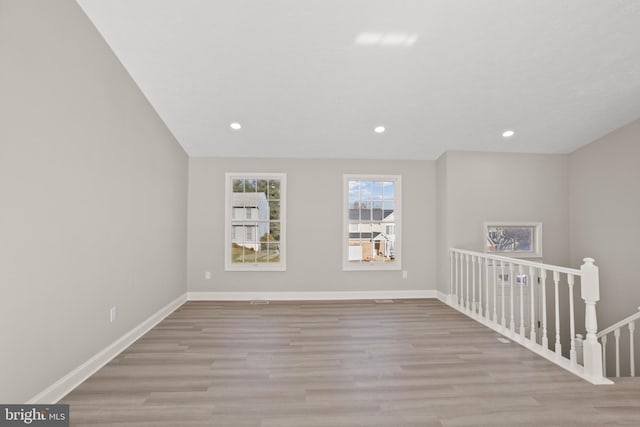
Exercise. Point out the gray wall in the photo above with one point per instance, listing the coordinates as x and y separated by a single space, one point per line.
483 187
314 226
605 216
93 197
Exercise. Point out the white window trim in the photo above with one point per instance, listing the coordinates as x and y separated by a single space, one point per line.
372 266
230 266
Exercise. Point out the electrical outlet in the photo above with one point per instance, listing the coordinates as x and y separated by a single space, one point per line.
113 314
404 274
207 275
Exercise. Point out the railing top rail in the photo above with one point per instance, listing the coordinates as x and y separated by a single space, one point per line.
620 324
559 269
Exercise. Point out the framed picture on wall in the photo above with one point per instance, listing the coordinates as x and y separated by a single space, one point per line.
514 239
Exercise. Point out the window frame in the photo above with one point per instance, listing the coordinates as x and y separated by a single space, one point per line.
372 266
228 222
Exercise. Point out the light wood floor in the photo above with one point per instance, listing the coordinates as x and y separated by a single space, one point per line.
355 363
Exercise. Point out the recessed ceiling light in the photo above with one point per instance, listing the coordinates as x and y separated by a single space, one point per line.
508 133
236 126
379 129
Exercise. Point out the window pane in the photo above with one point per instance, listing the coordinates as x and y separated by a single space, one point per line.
274 189
365 190
263 231
274 231
274 210
388 191
236 253
354 212
353 190
249 254
356 250
238 185
269 253
376 214
354 200
262 254
262 186
376 190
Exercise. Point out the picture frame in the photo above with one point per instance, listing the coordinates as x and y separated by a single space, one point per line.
513 239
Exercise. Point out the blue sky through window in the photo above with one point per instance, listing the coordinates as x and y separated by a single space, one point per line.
372 191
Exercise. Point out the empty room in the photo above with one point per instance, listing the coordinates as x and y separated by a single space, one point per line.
319 213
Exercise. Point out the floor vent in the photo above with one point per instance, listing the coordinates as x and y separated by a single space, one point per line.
384 301
504 340
257 302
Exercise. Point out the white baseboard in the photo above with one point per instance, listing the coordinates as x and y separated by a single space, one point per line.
64 385
309 296
442 296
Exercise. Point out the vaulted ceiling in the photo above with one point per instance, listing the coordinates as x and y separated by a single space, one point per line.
314 78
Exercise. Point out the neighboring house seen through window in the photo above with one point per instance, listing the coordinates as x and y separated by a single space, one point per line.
371 222
255 206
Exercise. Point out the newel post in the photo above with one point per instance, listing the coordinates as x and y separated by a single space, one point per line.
590 293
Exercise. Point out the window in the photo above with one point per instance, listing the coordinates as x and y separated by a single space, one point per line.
372 222
255 221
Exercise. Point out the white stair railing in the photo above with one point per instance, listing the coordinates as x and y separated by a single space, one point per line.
603 335
500 283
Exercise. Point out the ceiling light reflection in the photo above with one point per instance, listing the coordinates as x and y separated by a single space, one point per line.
386 39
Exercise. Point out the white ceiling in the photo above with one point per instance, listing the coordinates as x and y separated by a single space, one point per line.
560 73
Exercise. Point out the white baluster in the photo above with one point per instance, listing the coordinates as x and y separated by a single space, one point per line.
556 282
532 285
579 340
455 269
480 286
632 360
543 283
512 322
473 285
503 320
495 290
604 355
451 278
572 352
461 304
616 335
466 260
590 293
486 288
520 272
